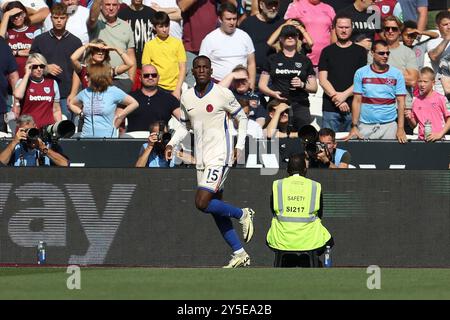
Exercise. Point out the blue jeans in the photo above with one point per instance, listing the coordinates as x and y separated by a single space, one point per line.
339 122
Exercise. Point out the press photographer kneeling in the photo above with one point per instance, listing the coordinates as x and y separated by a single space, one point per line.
321 148
28 149
152 152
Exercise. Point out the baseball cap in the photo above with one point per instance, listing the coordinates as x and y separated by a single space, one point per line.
289 30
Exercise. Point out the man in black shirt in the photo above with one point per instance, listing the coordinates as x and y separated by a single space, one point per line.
154 104
139 18
260 27
292 76
364 19
337 66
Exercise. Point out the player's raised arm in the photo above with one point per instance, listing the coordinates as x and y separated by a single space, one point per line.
236 111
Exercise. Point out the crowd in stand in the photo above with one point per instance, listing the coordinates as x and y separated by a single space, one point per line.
115 67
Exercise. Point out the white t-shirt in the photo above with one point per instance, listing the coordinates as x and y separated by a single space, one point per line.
226 51
436 64
76 24
176 27
33 4
208 117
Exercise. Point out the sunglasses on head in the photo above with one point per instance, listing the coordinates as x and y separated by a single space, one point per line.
148 75
393 29
383 53
35 66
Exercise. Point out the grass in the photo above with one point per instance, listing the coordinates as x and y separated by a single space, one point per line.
218 284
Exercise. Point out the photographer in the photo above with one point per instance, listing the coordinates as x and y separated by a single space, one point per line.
27 148
332 156
152 152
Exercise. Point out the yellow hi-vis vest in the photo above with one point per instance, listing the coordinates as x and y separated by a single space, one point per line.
295 225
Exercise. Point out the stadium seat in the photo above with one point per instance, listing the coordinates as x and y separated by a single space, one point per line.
304 259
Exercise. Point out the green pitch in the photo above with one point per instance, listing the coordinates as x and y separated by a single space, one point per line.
207 284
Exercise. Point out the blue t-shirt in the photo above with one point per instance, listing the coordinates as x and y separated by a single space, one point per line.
409 8
155 161
23 157
99 110
379 92
8 65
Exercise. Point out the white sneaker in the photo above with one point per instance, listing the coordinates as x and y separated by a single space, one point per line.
247 223
238 260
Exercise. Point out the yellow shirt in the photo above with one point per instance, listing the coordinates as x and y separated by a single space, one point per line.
165 55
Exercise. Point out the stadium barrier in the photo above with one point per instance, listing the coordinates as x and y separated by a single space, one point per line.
147 217
380 154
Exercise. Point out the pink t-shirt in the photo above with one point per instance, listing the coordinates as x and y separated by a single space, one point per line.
431 108
318 21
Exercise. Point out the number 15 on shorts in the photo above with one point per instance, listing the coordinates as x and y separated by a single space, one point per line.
213 175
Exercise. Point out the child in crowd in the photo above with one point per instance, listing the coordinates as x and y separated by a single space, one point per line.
429 106
167 54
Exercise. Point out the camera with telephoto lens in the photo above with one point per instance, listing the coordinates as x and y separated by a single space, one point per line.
309 138
51 132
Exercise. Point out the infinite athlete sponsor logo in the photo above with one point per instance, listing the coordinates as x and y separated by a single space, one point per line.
41 98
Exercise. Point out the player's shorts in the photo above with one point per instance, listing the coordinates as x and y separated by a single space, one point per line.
212 178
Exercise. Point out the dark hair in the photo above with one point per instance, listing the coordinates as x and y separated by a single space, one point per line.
90 51
17 4
201 57
271 108
100 77
442 15
160 18
341 15
411 24
428 70
59 9
377 42
228 7
297 164
324 132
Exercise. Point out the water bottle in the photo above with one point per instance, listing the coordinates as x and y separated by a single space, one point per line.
41 254
428 128
327 257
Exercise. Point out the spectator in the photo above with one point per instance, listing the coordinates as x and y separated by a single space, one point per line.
29 150
277 123
415 10
95 52
139 17
76 23
8 75
332 157
228 46
16 28
199 19
97 104
318 18
152 152
305 42
155 104
38 95
36 9
294 230
57 45
401 57
116 33
254 129
363 18
429 106
171 8
439 49
364 41
292 77
238 82
410 36
337 66
260 27
379 99
167 54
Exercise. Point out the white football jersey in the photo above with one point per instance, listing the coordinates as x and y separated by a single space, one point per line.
208 117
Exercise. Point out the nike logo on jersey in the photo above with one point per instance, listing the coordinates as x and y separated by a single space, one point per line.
190 109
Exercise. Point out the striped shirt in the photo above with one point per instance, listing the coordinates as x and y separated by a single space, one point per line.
379 91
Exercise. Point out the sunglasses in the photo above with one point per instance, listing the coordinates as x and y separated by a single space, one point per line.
18 15
35 66
272 4
383 53
148 75
393 29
